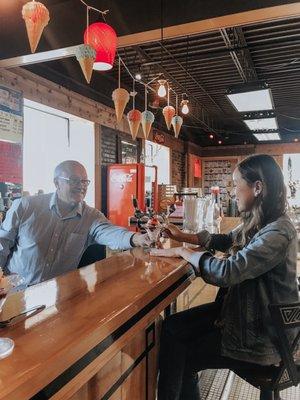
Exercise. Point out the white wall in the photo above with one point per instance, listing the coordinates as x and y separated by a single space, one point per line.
46 145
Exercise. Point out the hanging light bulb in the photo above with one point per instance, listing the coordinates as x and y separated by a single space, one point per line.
185 108
162 89
211 136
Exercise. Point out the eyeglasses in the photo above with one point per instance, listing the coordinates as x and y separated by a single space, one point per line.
76 181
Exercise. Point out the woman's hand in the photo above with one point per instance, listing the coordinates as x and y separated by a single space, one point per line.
173 252
173 232
187 254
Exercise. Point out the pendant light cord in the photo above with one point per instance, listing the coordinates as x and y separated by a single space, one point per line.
186 61
161 32
103 13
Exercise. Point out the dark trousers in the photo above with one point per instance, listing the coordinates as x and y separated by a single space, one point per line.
190 342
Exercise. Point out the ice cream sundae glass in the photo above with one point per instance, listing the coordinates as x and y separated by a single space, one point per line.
7 284
153 227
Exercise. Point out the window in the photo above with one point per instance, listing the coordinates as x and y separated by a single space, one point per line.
50 137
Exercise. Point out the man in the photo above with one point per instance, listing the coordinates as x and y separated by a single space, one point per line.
44 236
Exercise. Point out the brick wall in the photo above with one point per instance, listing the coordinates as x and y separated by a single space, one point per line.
178 169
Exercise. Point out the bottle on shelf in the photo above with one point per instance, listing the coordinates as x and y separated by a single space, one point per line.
214 211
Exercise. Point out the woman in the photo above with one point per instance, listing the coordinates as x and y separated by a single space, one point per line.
260 270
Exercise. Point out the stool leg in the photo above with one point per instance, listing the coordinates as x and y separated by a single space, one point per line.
277 395
266 394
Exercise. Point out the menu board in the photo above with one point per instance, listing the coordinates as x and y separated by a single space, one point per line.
11 115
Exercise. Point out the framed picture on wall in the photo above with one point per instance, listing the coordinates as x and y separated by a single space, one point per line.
128 152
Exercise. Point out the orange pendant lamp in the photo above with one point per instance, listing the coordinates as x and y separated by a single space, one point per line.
103 38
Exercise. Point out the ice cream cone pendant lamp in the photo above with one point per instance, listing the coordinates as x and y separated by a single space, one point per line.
134 116
86 56
177 120
36 17
147 118
168 111
120 98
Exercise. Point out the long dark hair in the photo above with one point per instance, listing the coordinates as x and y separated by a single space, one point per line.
271 202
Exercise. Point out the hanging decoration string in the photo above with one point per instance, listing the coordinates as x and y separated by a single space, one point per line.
161 32
168 88
146 97
119 73
87 24
176 104
103 13
133 94
186 61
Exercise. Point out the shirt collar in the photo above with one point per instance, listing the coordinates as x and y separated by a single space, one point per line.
53 205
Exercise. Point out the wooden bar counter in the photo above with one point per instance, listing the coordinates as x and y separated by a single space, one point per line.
97 336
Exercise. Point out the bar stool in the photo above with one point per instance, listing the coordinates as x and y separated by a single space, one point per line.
271 380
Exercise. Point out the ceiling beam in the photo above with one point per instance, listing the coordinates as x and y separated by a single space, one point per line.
36 58
234 37
213 24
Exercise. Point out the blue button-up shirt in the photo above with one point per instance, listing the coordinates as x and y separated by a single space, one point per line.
39 244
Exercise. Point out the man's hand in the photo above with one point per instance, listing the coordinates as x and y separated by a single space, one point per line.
141 240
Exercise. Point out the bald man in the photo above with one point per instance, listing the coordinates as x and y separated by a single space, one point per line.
45 236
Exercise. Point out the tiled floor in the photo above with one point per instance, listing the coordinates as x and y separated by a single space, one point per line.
212 385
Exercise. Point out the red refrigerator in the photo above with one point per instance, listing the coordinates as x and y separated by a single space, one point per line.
124 181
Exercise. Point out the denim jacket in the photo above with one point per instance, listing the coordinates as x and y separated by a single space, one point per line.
262 273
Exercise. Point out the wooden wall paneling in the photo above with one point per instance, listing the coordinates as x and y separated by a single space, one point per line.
245 150
171 141
282 148
46 92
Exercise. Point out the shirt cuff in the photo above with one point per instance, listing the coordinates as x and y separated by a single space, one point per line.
204 237
131 241
195 260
